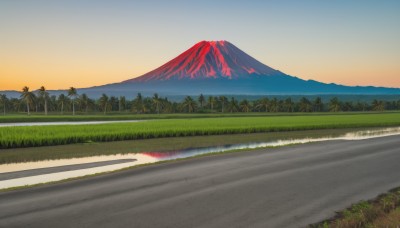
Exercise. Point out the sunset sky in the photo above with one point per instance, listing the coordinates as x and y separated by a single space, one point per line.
85 43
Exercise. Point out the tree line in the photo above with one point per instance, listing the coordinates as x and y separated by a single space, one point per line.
72 102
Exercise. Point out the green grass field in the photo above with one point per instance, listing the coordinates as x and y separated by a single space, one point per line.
15 137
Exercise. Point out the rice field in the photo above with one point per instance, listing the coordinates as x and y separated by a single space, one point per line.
35 136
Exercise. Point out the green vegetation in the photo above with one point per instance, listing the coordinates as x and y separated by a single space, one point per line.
34 136
40 101
384 211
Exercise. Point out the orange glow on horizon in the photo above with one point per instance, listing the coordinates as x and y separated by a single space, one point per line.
61 76
58 70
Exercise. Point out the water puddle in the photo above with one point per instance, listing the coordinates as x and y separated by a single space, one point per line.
57 169
30 172
135 159
28 124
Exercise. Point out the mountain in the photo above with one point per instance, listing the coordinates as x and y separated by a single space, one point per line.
220 68
209 60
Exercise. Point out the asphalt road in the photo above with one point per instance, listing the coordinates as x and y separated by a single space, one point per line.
283 187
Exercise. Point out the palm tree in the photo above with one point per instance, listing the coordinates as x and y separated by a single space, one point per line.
84 102
305 105
245 106
73 94
113 103
378 105
28 97
121 103
44 95
233 105
167 105
138 104
348 106
4 101
274 105
223 101
156 102
201 100
16 104
391 105
61 101
288 105
361 106
335 105
104 102
318 105
189 103
52 104
263 103
211 101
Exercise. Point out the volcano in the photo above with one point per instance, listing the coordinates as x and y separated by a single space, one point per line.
209 59
220 68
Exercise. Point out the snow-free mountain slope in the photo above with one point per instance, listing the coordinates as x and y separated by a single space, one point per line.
209 59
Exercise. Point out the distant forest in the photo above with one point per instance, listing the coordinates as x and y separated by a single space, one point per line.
72 102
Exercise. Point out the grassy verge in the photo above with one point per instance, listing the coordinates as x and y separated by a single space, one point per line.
36 136
384 211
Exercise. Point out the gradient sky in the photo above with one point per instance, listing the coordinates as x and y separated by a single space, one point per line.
84 43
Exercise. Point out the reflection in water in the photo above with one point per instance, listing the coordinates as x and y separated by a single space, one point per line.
364 134
30 180
357 135
151 157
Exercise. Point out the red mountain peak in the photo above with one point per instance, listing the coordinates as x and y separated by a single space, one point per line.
208 59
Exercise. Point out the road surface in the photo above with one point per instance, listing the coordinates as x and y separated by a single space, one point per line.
283 187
